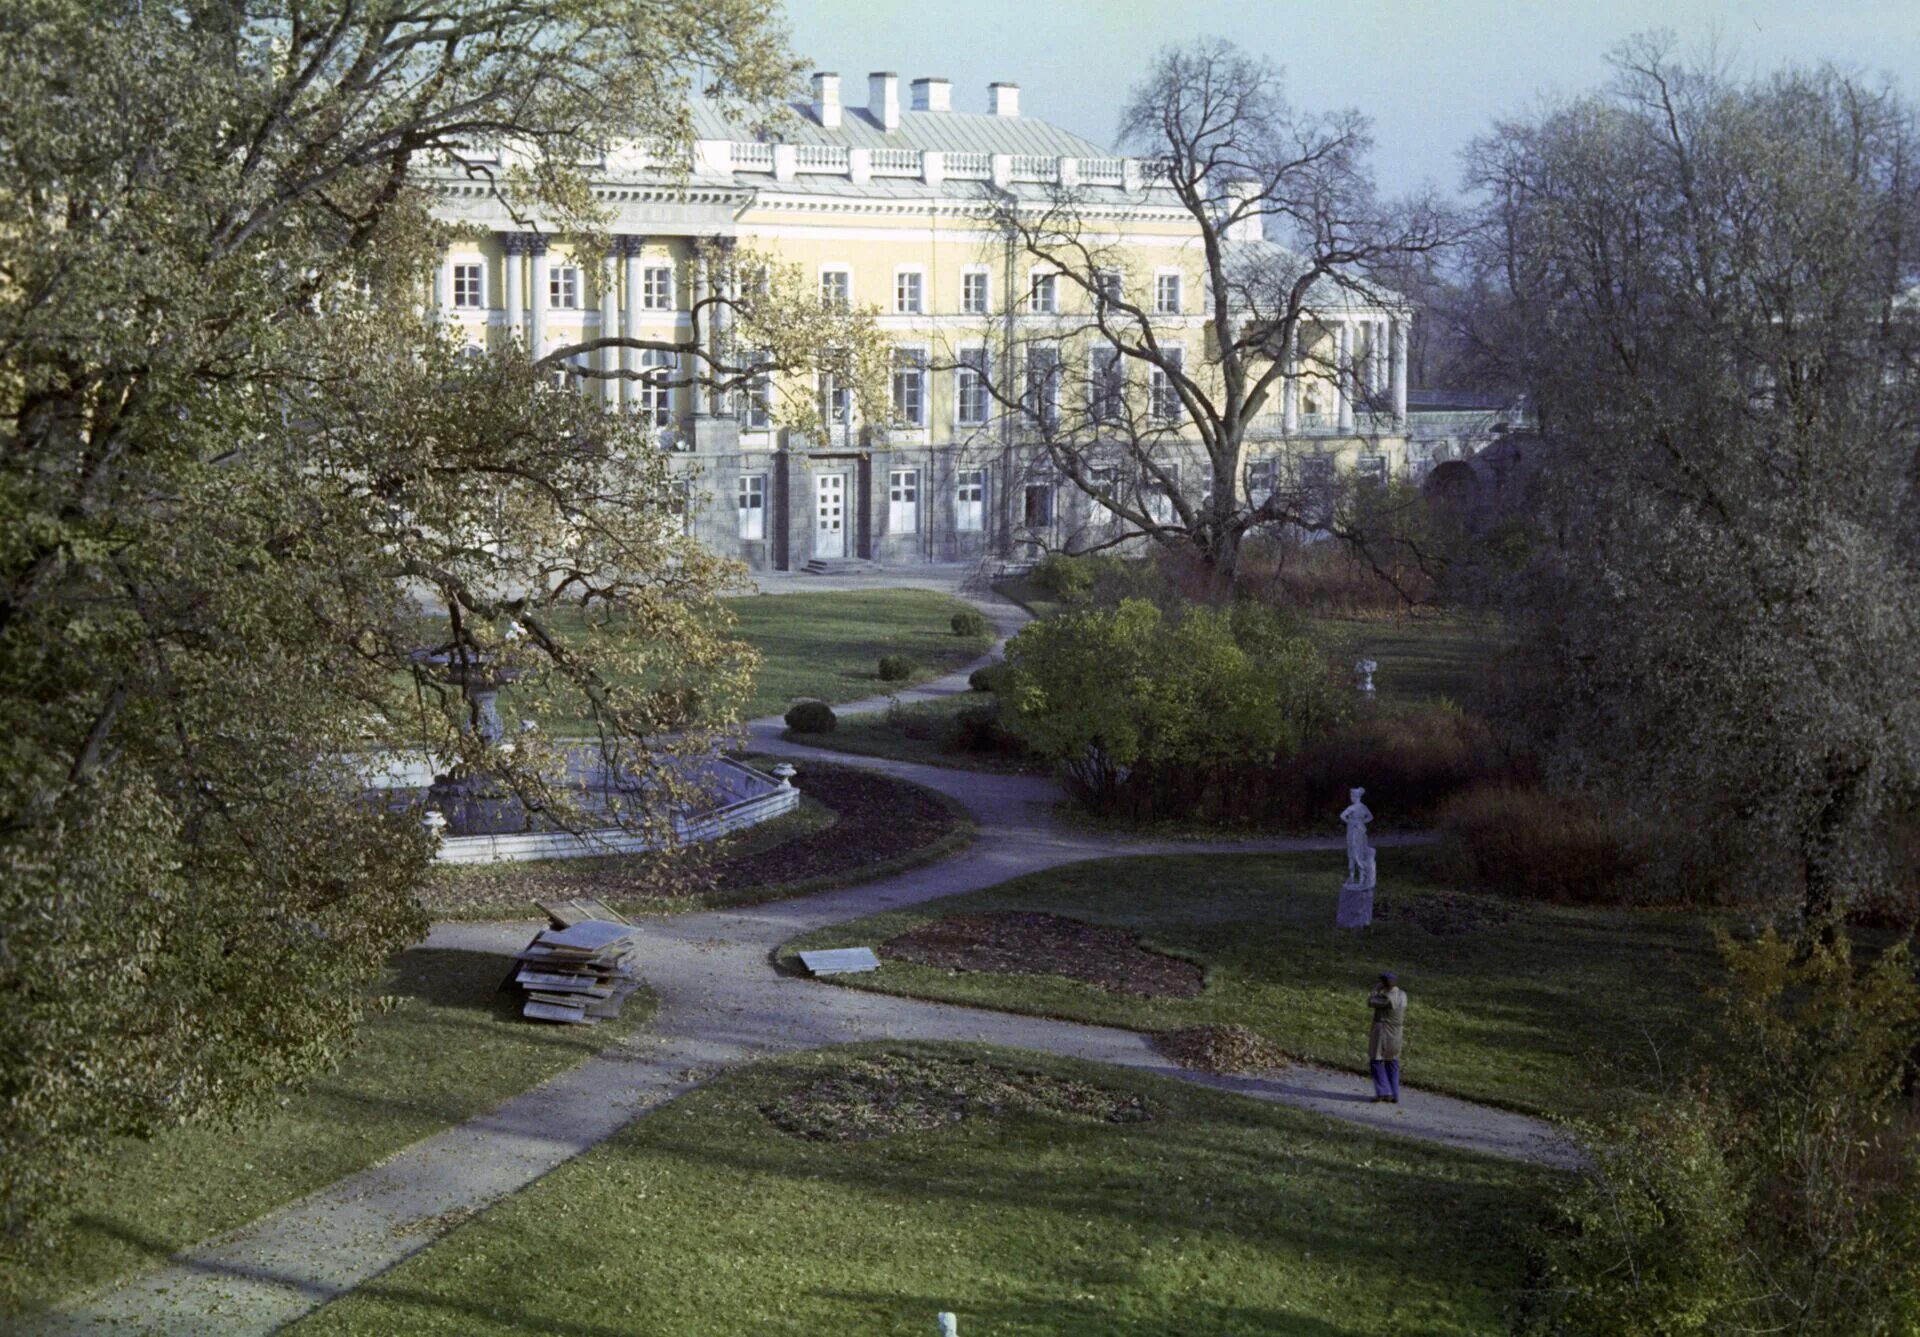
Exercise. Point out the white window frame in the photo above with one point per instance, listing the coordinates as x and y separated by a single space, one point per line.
1266 469
656 293
903 501
961 375
1158 502
985 278
1098 409
1374 469
918 274
1161 277
656 397
970 501
1052 494
1042 412
843 301
750 505
1051 278
1103 478
478 270
909 359
563 288
1163 397
1110 285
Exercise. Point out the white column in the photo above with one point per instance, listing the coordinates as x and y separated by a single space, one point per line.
728 291
610 325
1343 380
537 299
703 395
1400 371
630 247
515 245
440 302
1290 393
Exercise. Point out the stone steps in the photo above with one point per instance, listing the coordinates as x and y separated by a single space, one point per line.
841 566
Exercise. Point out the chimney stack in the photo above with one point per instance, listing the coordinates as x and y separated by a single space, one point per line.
933 95
883 98
1003 99
826 99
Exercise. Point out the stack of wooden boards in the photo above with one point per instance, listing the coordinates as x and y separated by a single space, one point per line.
580 970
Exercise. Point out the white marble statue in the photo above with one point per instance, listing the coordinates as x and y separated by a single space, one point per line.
1363 670
1356 816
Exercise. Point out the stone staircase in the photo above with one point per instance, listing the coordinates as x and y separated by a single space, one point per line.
842 566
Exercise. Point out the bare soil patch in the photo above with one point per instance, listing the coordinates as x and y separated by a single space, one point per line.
1444 914
1220 1048
867 1098
1022 942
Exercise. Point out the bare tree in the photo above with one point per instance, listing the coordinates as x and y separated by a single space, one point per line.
1117 391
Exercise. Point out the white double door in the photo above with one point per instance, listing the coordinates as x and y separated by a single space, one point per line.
829 515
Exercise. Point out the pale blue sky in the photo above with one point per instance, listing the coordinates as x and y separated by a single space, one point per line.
1431 75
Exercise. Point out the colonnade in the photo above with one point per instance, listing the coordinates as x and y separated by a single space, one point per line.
1380 368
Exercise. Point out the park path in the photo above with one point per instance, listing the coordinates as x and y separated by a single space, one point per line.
722 1002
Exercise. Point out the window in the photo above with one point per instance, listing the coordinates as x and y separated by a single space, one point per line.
1106 386
1371 469
1163 393
1159 495
656 288
467 293
1166 294
1038 511
1043 385
656 395
1263 477
756 395
752 505
839 400
974 292
1316 483
836 289
1101 481
970 495
909 292
1107 283
1044 295
970 388
903 501
909 387
563 287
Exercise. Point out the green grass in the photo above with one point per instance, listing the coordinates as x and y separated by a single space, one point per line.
828 645
453 1048
1551 1010
1421 659
1221 1215
913 732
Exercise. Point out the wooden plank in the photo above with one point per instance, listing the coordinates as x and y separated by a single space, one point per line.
840 961
565 912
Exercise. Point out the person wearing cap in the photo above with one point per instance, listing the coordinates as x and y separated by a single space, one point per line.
1385 1037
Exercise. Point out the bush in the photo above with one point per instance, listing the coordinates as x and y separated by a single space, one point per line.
895 668
989 677
978 729
1411 761
969 622
1542 846
811 717
1062 576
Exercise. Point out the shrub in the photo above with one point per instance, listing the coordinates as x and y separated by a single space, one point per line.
1062 576
1543 846
978 729
811 717
969 622
989 677
1410 760
895 668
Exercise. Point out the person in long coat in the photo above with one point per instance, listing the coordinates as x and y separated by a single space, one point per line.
1386 1037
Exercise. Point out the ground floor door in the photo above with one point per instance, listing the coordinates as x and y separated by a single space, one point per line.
829 515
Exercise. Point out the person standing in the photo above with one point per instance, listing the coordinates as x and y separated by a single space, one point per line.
1386 1037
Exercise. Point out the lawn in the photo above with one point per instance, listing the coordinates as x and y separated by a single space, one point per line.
1215 1214
451 1049
1421 659
916 732
828 645
1537 1008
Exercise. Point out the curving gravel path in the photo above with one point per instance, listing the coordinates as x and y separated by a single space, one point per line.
721 1003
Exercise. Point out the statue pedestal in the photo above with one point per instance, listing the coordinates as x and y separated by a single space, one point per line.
1356 905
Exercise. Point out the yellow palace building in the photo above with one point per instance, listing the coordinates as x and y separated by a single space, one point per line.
886 203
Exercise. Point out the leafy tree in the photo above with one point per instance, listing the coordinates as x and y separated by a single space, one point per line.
1778 1193
238 461
1708 284
1153 712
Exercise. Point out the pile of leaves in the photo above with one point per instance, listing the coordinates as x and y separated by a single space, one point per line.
1220 1048
893 1093
1023 942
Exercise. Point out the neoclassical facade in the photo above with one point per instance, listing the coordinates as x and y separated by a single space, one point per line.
885 205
